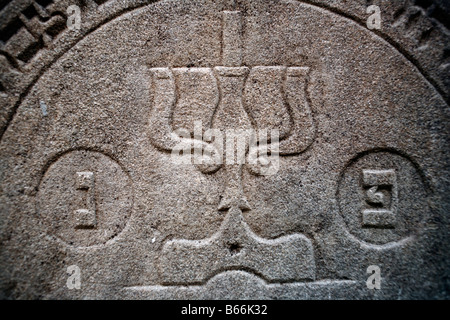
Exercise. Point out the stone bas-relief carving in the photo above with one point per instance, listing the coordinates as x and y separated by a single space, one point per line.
84 207
359 181
235 245
386 197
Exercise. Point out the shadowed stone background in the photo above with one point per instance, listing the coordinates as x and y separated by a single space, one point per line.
87 178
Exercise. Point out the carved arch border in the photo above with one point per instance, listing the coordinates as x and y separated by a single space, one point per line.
114 9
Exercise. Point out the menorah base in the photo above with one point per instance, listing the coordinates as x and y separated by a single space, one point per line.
236 247
237 285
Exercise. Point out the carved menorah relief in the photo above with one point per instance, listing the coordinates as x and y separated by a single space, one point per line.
174 150
241 98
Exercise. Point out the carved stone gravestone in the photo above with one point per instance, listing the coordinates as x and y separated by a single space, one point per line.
240 149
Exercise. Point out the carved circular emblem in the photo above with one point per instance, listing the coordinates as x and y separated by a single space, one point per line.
382 197
85 198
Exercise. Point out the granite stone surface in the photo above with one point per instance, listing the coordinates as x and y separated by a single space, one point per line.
246 149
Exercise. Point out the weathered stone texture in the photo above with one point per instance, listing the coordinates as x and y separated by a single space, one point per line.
87 177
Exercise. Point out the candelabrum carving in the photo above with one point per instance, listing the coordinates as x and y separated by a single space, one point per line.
241 98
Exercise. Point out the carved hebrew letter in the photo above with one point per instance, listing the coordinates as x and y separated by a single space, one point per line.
85 217
381 197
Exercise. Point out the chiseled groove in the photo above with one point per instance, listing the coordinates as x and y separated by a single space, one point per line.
247 271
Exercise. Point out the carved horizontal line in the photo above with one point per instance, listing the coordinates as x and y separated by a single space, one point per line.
251 277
